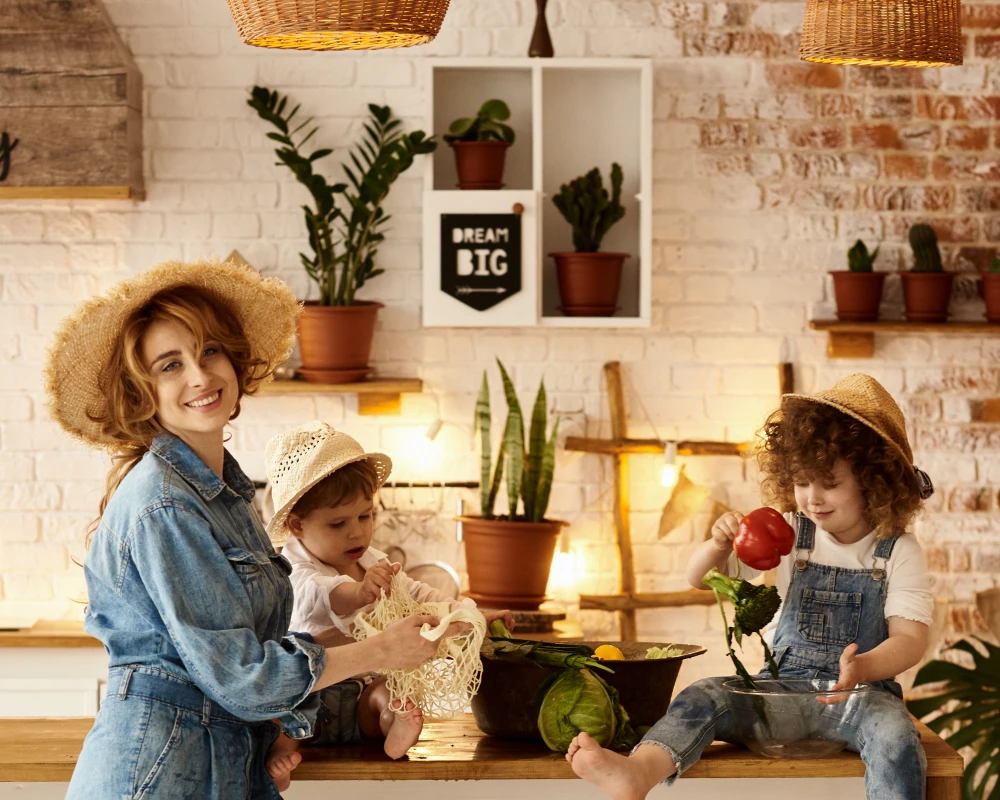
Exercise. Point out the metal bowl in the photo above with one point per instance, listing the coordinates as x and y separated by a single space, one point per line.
785 718
504 706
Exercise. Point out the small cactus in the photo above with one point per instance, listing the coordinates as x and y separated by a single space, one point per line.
587 207
995 266
926 255
859 259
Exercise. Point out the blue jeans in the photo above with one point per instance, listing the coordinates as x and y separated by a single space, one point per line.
895 763
160 738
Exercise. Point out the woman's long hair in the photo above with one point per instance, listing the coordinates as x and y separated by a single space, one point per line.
129 413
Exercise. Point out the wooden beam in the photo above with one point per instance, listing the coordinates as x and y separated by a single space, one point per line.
786 377
842 344
623 532
687 447
621 602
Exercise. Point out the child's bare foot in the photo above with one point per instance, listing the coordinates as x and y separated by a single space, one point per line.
618 776
282 758
401 728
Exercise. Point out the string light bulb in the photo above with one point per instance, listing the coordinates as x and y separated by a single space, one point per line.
433 429
671 470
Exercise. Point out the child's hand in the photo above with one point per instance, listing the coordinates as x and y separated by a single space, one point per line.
725 529
850 676
377 578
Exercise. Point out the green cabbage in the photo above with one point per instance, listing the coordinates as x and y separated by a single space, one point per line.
664 652
578 701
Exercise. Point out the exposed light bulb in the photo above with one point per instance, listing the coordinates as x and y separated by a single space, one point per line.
433 429
671 470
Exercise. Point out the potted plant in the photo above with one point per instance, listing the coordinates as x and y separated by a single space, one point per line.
508 557
991 291
346 224
589 279
858 290
927 287
480 144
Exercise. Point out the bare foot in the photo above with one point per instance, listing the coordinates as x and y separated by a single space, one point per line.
620 777
401 728
280 765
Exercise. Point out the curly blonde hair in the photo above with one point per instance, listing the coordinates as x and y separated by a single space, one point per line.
129 413
806 439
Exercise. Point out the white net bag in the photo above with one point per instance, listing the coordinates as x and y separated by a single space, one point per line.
444 686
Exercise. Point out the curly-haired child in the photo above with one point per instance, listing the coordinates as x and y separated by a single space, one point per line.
856 601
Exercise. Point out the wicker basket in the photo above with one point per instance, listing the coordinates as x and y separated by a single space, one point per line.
902 33
337 24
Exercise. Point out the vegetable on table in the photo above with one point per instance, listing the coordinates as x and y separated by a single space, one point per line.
763 538
550 654
663 652
578 700
755 608
608 652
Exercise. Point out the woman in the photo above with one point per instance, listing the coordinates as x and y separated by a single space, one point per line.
185 591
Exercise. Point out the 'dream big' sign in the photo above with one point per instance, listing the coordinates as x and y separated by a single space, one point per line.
481 258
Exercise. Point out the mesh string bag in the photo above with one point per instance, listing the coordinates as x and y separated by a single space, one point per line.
444 686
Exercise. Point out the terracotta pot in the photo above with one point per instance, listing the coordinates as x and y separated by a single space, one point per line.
589 282
480 164
509 562
335 342
991 294
858 294
926 295
503 705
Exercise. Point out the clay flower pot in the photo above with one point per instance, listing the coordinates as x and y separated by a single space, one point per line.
335 342
858 294
926 295
991 294
480 164
589 282
509 562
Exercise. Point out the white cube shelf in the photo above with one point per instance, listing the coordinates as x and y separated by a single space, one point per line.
570 115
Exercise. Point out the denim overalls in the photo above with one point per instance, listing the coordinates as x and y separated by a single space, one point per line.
824 610
192 604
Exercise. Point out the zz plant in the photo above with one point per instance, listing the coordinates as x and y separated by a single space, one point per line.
589 209
529 470
347 221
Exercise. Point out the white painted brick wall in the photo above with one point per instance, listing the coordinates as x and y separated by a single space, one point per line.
742 243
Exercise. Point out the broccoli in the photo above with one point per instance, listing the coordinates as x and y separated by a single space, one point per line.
755 608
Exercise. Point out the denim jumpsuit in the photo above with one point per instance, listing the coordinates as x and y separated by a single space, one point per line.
824 610
192 604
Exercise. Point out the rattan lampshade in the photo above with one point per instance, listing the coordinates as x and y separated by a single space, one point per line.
900 33
337 24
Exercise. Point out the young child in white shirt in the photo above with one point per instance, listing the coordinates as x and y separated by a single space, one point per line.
323 487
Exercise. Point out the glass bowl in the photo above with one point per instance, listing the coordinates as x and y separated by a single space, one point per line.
785 719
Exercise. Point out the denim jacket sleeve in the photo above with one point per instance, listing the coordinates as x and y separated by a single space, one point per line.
209 616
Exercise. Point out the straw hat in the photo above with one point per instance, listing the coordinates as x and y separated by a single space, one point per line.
265 308
866 400
300 458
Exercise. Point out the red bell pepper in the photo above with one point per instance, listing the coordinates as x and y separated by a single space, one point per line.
763 538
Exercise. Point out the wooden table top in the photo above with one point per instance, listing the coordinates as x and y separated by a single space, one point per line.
47 749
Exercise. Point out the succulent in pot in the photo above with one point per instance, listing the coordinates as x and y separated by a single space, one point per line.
991 291
480 144
858 289
589 279
927 287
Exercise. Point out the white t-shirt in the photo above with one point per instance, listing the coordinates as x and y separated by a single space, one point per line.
908 593
312 581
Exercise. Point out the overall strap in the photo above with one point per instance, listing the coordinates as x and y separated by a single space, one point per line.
883 551
804 541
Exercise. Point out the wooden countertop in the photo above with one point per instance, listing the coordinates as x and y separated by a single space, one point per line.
34 750
49 633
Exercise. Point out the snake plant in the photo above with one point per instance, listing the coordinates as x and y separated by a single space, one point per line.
968 708
529 471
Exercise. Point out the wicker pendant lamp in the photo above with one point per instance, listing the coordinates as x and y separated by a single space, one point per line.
337 24
896 33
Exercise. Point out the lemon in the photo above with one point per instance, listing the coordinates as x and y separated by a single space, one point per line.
608 652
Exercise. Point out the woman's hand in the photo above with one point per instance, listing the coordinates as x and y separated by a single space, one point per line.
506 616
376 579
725 529
402 645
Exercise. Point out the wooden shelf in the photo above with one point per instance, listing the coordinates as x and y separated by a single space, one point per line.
606 447
71 193
634 600
378 397
857 339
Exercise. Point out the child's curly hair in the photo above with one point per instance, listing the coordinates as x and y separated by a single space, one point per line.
805 439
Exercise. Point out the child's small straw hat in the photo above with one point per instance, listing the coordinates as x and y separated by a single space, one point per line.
83 344
865 399
300 458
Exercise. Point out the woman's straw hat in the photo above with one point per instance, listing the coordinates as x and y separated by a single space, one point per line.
865 399
300 458
265 307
